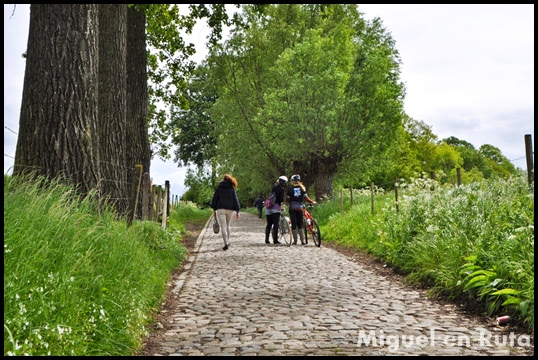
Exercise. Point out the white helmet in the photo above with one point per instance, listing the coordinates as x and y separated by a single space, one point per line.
296 178
283 178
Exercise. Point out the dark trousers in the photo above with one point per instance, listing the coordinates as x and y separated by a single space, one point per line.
260 212
272 222
296 218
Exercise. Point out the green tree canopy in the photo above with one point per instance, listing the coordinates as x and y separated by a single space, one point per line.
306 89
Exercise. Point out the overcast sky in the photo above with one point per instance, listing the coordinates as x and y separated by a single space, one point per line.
468 71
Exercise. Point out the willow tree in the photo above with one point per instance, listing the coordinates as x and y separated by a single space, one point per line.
307 89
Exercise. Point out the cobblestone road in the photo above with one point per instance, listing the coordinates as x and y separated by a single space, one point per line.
258 299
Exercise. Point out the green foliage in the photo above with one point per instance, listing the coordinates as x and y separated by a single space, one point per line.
299 94
169 58
76 281
200 186
476 239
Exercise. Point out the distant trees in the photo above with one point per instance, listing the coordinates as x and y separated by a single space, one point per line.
311 89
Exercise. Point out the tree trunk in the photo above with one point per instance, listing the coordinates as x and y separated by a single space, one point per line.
324 178
138 148
323 185
58 123
113 104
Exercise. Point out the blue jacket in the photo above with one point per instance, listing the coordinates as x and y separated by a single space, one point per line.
225 197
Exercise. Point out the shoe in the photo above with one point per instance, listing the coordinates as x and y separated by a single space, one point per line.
267 242
277 242
225 247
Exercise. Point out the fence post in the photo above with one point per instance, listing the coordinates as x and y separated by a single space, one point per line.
529 155
165 203
151 201
145 196
167 194
432 176
458 173
396 194
372 192
134 194
158 202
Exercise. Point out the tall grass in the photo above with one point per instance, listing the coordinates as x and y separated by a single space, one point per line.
76 280
476 240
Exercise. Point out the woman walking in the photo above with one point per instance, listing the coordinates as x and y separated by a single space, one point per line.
224 203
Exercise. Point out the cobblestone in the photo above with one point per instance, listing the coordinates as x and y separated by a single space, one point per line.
269 300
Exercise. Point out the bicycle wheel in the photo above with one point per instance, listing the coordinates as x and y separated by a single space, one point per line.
284 230
316 234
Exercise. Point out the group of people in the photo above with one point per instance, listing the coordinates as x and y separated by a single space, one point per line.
294 195
225 202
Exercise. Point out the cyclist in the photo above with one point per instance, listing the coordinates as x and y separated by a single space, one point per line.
273 213
295 197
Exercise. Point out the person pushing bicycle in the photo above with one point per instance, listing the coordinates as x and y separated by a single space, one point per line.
295 196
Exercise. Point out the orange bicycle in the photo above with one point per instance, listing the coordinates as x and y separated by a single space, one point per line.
311 226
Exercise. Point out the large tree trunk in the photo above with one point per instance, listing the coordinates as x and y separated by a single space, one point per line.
58 123
137 92
138 148
113 104
324 178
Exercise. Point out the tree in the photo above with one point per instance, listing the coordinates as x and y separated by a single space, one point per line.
496 161
307 89
58 123
112 119
446 159
137 142
84 112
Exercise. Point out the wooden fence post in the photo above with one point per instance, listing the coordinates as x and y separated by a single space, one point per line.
167 194
134 194
145 196
166 203
458 173
158 202
529 155
151 201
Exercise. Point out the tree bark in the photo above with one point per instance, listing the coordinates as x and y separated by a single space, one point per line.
138 148
58 123
113 104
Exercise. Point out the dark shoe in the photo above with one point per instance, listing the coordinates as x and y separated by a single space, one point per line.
277 242
267 242
225 247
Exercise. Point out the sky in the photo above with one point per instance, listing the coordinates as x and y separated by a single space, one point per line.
468 71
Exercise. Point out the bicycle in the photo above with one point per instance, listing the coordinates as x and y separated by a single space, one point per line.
284 228
311 226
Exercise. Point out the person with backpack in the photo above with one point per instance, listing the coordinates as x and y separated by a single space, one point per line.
224 203
259 205
272 211
295 197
